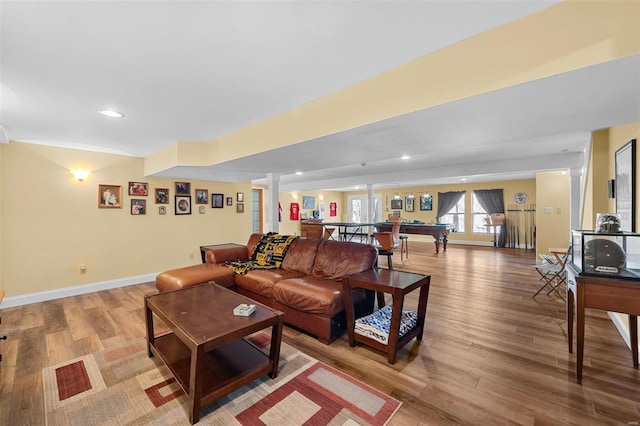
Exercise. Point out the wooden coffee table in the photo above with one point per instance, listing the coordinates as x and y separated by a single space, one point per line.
205 350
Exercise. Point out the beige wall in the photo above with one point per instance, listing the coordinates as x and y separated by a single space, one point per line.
288 226
51 223
553 212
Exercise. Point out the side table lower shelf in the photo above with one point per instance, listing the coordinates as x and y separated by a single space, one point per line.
224 369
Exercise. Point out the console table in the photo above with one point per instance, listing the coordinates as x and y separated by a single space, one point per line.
398 284
605 293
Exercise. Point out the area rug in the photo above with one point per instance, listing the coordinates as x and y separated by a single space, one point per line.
123 386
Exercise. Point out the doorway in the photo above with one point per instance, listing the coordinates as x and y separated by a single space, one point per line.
358 208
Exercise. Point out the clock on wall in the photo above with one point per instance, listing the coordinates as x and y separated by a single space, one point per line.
520 197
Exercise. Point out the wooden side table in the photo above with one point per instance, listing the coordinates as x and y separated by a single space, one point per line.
398 284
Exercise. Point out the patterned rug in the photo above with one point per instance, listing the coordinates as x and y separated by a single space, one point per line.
123 386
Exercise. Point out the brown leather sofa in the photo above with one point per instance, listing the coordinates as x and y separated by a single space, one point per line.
307 287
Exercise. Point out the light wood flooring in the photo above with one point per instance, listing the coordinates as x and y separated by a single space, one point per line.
491 354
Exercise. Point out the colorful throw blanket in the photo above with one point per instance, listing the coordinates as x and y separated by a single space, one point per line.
268 254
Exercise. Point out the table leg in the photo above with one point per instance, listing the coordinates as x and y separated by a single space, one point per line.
633 330
422 307
437 241
149 324
348 310
444 242
570 306
380 297
580 331
276 341
394 328
195 387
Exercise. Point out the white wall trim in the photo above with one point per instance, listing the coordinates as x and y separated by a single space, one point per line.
43 296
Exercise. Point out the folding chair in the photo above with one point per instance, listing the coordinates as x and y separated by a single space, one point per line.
552 272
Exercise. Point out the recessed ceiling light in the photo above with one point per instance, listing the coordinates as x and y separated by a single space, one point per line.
111 113
405 157
298 173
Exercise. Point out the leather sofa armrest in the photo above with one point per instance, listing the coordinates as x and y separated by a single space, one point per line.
221 255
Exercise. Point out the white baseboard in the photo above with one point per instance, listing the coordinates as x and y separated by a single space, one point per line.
43 296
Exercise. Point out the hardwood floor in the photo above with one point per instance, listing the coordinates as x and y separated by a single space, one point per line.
491 354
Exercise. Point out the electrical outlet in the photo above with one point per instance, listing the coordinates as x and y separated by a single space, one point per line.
83 269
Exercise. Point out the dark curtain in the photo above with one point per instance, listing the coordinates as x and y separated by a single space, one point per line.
447 201
492 200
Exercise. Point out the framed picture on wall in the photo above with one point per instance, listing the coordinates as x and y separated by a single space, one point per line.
138 206
426 203
183 204
139 188
625 191
408 204
202 196
240 197
109 196
240 208
229 201
396 204
216 201
183 188
308 202
162 195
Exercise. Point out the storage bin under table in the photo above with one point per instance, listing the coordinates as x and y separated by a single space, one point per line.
398 284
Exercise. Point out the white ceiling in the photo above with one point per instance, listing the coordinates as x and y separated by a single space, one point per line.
195 71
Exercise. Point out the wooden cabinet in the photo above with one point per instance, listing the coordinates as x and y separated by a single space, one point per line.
311 228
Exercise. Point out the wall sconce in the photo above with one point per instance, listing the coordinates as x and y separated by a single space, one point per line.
80 174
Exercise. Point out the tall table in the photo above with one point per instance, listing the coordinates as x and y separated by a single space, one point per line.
347 231
606 293
205 350
398 284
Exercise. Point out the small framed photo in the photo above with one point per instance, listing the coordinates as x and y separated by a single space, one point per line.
216 201
240 208
202 210
138 206
162 210
240 197
202 196
426 203
183 188
139 188
396 213
396 204
162 195
229 201
183 204
408 204
109 196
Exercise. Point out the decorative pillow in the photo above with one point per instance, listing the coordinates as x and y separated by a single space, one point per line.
376 326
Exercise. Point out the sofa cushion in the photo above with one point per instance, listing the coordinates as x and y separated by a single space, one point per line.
261 281
301 255
190 275
314 295
336 259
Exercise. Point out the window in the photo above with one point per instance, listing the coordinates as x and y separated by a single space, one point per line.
479 216
455 216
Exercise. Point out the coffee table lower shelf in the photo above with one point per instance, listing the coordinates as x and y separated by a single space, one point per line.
224 369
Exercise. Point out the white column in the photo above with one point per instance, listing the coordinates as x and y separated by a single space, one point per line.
273 182
574 198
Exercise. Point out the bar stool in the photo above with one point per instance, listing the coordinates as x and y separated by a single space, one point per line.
404 247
